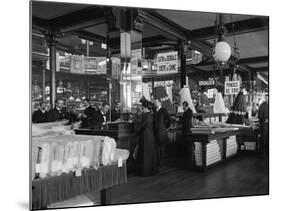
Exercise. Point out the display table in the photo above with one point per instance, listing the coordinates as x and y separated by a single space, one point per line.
205 138
122 132
59 188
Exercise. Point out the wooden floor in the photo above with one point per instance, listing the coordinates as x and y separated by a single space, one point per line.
242 176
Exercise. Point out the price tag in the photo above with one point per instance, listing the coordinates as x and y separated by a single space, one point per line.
120 162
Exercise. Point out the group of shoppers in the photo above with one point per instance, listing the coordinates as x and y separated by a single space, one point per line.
151 130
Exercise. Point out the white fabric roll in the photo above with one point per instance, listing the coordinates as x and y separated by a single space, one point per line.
186 96
145 91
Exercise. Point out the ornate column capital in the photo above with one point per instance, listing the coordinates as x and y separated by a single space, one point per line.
52 38
139 18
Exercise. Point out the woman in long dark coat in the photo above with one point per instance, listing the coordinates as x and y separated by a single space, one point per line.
146 158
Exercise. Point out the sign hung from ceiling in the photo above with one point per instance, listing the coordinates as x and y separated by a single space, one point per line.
231 87
211 81
167 62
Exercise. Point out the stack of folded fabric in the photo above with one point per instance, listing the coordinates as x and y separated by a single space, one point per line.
212 153
57 152
45 160
34 156
231 146
52 157
108 151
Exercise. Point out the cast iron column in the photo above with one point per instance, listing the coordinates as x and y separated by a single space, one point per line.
52 41
182 58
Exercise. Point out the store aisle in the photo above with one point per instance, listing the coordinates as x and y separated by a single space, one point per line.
245 175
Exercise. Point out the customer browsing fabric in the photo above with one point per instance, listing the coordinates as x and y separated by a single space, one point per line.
147 153
162 121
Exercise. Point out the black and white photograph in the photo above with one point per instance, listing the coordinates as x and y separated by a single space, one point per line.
133 105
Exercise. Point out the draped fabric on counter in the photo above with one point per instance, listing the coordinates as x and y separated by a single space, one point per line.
186 96
145 91
59 188
161 93
219 106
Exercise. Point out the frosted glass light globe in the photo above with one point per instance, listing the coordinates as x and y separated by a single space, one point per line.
222 51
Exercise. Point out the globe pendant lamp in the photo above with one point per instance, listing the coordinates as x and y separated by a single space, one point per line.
222 51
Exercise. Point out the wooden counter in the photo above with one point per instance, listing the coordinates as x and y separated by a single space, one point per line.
205 138
122 132
66 186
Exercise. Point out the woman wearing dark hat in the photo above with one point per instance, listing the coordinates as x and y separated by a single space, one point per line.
146 157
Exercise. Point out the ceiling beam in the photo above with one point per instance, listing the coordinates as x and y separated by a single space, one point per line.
162 24
260 69
240 27
244 61
76 20
40 24
254 60
83 18
89 36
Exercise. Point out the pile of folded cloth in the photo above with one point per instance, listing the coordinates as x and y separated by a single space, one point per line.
52 156
213 154
51 129
231 146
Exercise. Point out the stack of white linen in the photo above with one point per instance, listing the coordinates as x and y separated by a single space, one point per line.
231 146
212 153
66 154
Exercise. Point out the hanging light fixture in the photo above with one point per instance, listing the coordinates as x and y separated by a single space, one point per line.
221 50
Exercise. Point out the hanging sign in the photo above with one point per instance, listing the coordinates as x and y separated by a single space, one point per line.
211 81
231 87
167 62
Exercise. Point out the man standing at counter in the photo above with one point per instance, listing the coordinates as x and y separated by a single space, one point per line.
186 145
87 117
101 116
264 126
57 113
186 118
115 113
162 121
40 115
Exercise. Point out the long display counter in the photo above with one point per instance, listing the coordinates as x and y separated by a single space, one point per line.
66 186
210 148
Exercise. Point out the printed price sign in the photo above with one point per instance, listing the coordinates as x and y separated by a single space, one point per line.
231 87
167 62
